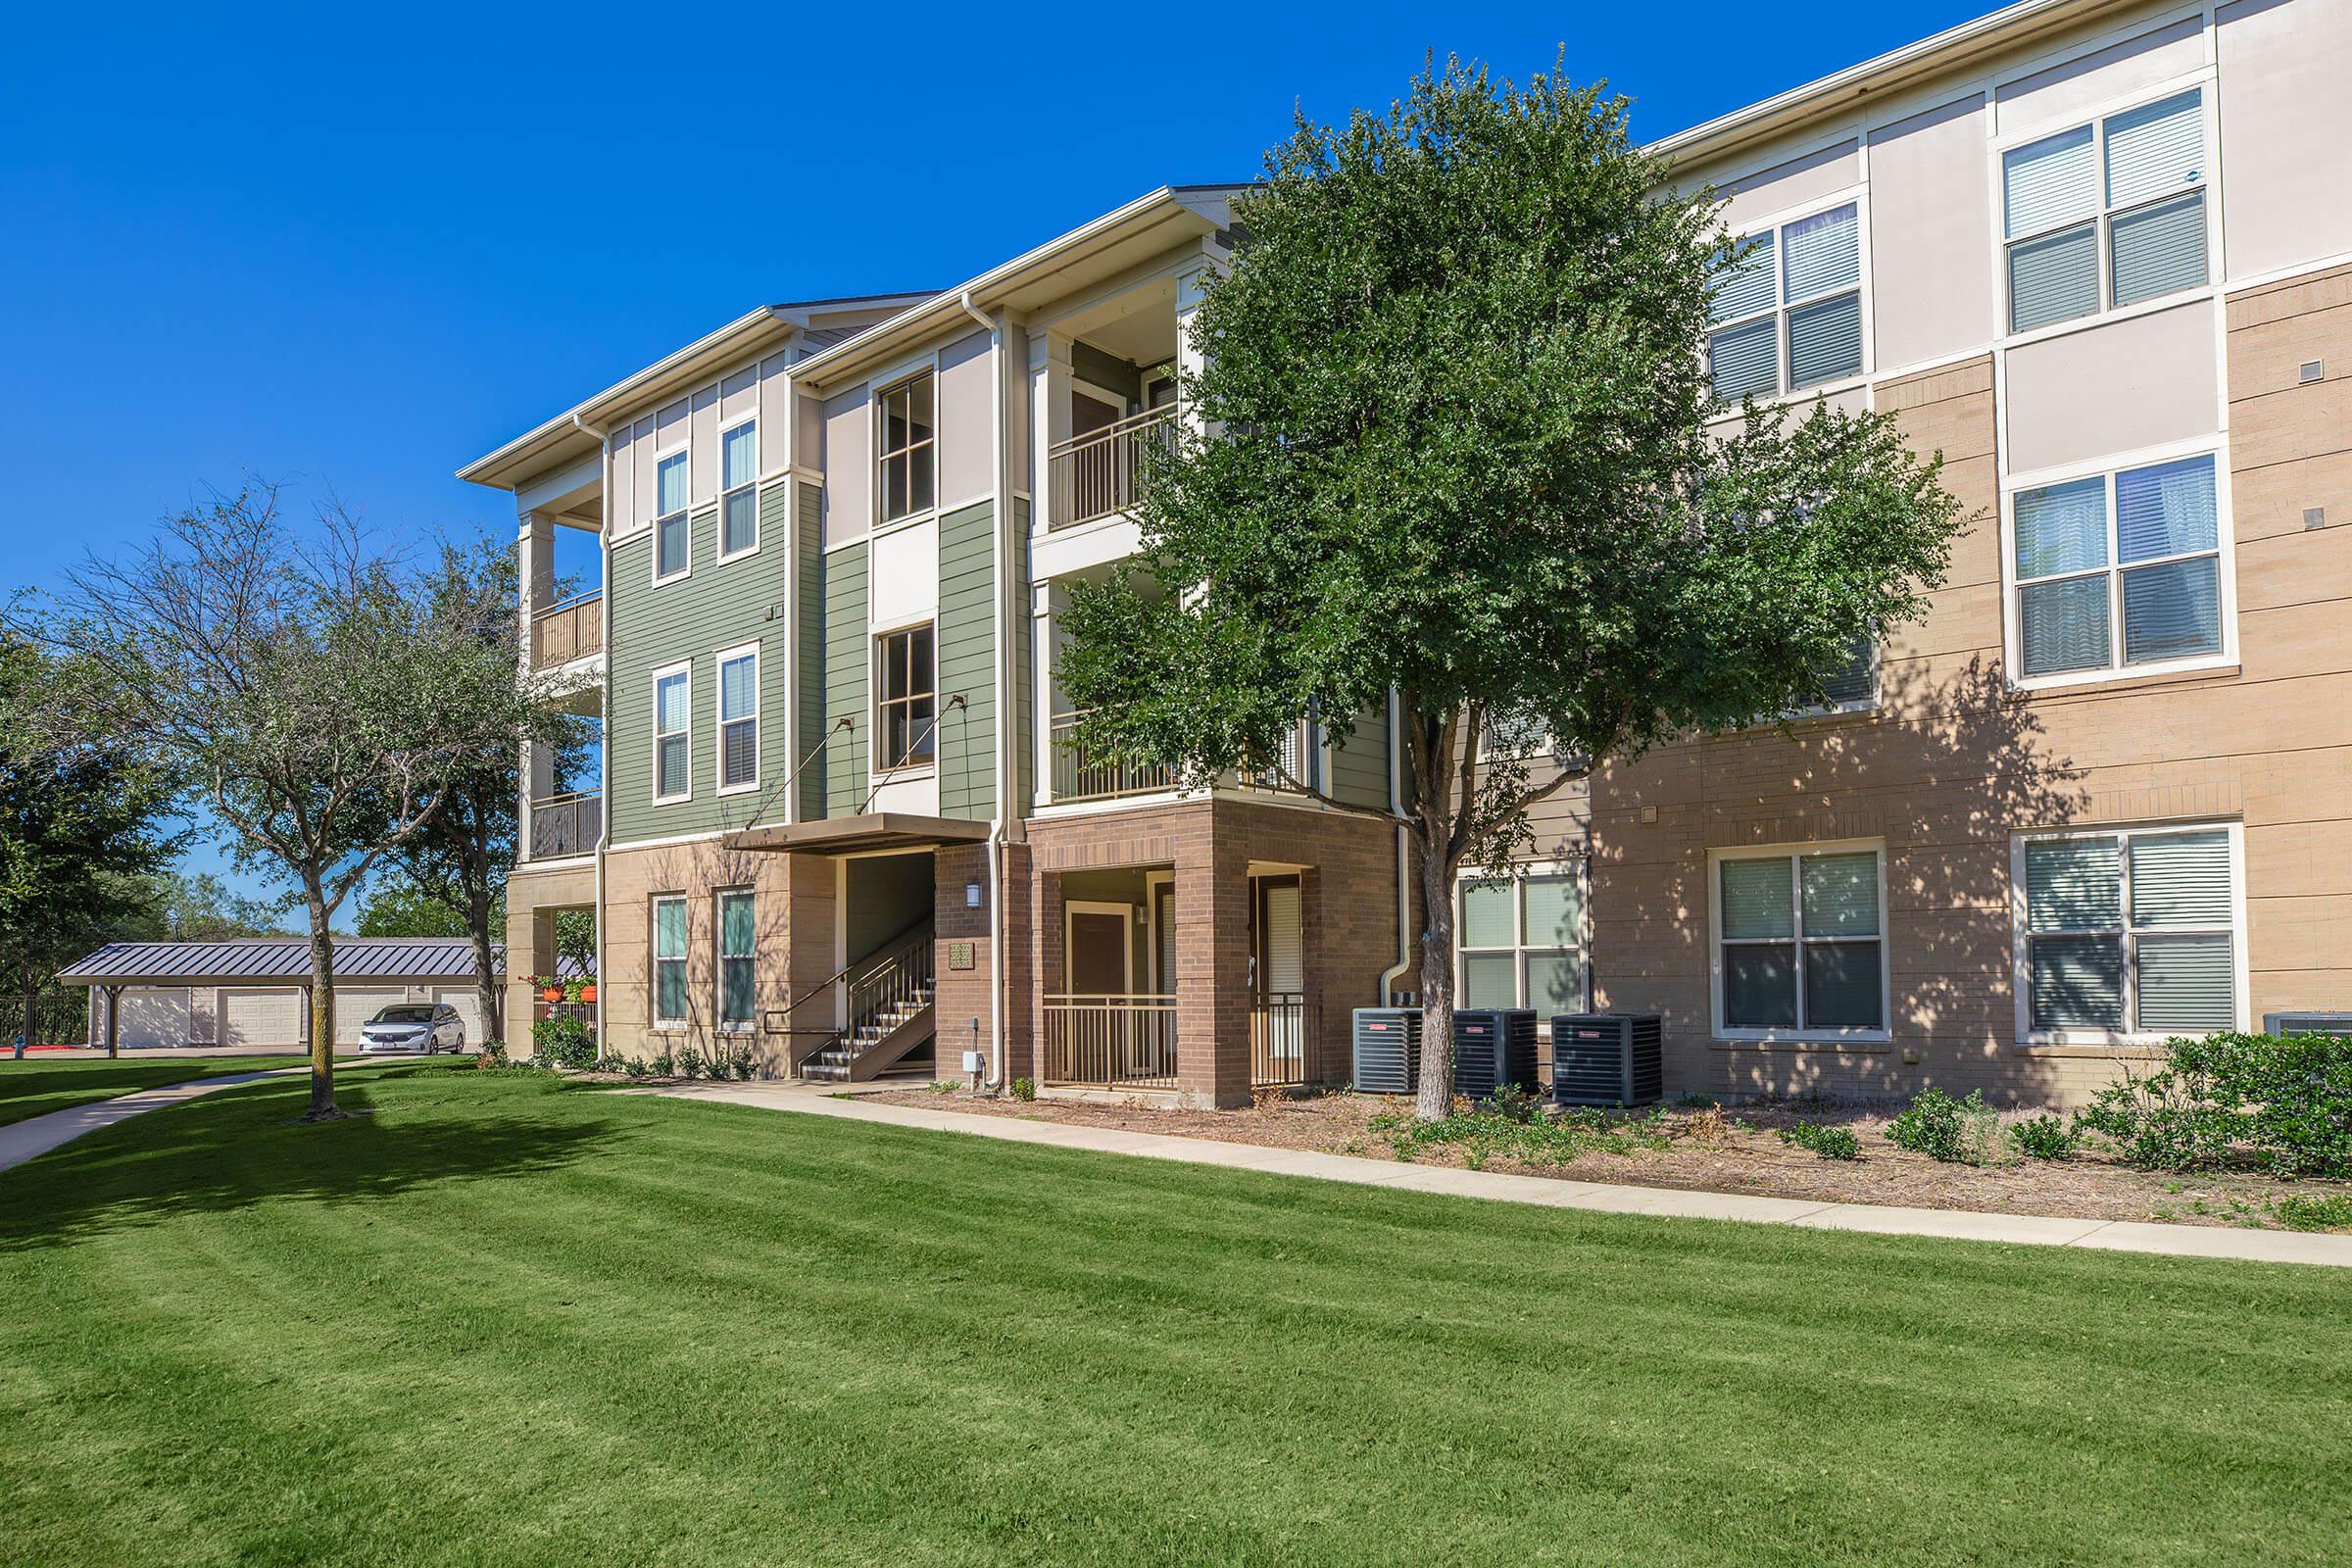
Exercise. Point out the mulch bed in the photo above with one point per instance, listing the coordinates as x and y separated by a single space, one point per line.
1731 1149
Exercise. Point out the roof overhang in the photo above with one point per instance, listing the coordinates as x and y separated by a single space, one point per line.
858 835
1914 65
1110 245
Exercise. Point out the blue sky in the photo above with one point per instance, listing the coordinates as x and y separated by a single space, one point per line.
358 246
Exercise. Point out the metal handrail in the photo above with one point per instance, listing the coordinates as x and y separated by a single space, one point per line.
1094 476
562 633
1108 1040
565 825
1283 1025
1075 778
916 938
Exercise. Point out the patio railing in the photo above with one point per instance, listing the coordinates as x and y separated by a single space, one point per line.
1281 1034
1078 776
573 629
1094 475
1109 1042
565 825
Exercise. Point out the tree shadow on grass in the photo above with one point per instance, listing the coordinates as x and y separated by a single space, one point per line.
243 1146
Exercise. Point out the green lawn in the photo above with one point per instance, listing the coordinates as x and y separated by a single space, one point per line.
499 1321
37 1085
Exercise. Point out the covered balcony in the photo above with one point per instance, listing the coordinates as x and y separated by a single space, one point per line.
1104 389
568 630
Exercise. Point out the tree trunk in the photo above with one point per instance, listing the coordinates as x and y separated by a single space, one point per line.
1434 1097
32 1011
322 1011
478 926
114 1021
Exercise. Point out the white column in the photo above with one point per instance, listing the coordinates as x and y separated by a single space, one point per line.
1050 421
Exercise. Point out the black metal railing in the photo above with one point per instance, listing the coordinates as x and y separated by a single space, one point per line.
567 824
1109 1042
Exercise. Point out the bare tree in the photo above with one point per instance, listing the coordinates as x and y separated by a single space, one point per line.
318 697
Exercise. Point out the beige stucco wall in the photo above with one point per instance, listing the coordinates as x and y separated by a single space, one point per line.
848 461
2118 387
2286 121
1930 230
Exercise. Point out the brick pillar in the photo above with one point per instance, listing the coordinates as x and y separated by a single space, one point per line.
1046 954
811 910
1020 990
1212 965
1326 991
959 960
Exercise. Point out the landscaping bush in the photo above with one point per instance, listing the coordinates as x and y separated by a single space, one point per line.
2283 1102
2299 1213
690 1061
1964 1132
1830 1143
493 1055
2045 1137
1024 1089
564 1042
1513 1103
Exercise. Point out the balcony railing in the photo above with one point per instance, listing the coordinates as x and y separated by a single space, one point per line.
1282 1032
567 824
573 629
1109 1042
1300 758
1094 476
1078 776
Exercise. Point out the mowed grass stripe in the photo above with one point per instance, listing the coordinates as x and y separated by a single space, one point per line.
496 1321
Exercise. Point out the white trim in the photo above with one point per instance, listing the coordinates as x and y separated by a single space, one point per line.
685 514
718 959
880 387
1578 873
2029 1038
1796 853
754 484
718 696
652 947
685 667
1154 881
1856 196
1069 921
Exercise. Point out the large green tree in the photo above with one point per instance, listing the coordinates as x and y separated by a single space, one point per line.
1457 440
316 690
82 822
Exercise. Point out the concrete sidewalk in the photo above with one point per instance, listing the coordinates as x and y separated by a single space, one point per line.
2183 1240
35 1135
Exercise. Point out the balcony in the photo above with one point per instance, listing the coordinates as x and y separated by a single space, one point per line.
573 629
1109 1042
1079 776
563 825
1095 474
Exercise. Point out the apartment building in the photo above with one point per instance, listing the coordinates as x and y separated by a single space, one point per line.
2098 255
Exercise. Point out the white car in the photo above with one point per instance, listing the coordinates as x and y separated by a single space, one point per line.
413 1027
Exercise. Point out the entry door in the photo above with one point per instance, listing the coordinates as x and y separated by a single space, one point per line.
1100 950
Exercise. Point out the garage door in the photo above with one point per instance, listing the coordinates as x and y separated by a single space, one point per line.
261 1018
356 1005
153 1018
469 1003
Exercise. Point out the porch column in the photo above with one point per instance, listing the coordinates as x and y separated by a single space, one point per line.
1048 962
1212 965
1326 1043
811 910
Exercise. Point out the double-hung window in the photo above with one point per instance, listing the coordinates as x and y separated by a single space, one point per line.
1519 735
670 962
2107 214
735 944
1787 308
2117 570
1800 942
904 699
674 705
739 490
1521 943
904 445
2128 932
669 517
739 718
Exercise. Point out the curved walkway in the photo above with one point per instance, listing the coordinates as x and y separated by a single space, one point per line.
35 1135
2183 1240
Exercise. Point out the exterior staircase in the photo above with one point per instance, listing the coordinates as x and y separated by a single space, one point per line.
890 1013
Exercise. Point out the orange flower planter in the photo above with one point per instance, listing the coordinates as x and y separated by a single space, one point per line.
587 994
551 992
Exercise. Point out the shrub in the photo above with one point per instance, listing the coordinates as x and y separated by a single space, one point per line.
1024 1089
663 1064
2043 1136
1963 1132
2331 1214
690 1061
564 1042
2285 1100
493 1055
1830 1143
634 1066
1515 1104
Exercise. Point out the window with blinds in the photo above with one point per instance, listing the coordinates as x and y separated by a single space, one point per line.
2118 571
736 942
2131 932
2112 212
739 720
1520 943
1787 313
669 963
671 551
673 738
1800 943
739 490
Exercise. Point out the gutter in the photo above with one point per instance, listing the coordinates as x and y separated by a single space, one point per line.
1404 868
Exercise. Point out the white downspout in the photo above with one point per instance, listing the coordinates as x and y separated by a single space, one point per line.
1404 876
1001 521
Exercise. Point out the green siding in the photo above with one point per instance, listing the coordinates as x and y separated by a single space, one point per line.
716 606
809 628
1360 770
967 735
846 665
1024 677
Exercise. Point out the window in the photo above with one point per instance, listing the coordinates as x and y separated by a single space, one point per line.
905 447
2136 925
669 963
1788 309
672 753
739 487
669 517
1520 735
735 928
2120 569
2112 210
739 720
1855 683
904 700
1800 943
1521 943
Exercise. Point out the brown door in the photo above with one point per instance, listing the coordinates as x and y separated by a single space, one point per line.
1099 950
